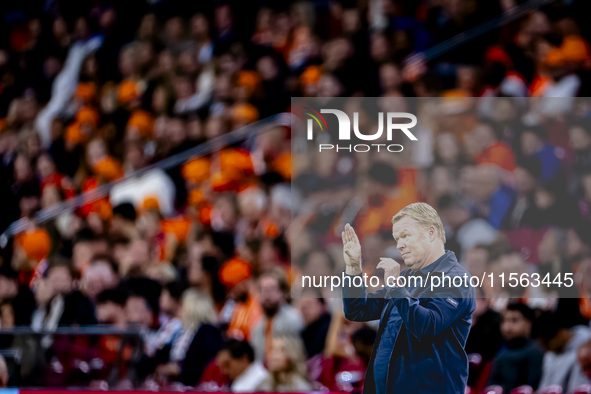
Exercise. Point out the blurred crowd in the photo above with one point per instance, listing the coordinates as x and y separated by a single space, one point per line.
191 268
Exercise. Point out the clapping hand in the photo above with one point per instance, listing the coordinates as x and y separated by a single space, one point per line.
391 269
351 251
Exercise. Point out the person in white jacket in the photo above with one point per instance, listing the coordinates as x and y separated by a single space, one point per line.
560 366
236 360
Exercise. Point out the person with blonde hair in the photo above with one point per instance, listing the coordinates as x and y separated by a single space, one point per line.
199 342
423 329
286 363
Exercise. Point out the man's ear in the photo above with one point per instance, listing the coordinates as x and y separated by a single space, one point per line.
432 233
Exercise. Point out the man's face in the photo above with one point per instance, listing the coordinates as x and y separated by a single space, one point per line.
412 241
579 138
529 143
476 260
515 325
584 358
28 204
60 279
140 250
83 252
525 182
176 130
483 136
117 225
487 181
319 264
455 216
137 311
109 313
168 305
98 277
7 316
270 296
231 367
45 165
311 309
8 287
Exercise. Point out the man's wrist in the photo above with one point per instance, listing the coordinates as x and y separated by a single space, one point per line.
397 293
353 270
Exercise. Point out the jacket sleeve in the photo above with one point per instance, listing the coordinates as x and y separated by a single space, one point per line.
534 368
359 305
445 308
204 347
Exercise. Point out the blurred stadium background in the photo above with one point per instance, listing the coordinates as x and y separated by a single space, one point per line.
146 179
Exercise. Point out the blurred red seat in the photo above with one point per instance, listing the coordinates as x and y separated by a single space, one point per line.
525 389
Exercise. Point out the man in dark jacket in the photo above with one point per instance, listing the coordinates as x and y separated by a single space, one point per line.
519 362
423 329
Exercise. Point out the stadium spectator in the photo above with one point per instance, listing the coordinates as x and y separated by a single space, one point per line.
109 92
279 317
580 141
197 344
477 259
561 343
485 339
242 311
347 354
317 321
138 311
99 276
110 307
169 319
236 360
519 361
123 221
286 363
585 199
551 207
21 299
58 303
584 358
492 198
533 145
488 147
526 174
464 231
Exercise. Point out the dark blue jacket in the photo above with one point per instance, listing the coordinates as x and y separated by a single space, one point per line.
420 343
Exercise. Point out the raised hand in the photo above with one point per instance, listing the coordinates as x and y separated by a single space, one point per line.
391 269
351 251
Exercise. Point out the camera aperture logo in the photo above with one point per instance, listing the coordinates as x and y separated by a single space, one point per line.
345 128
